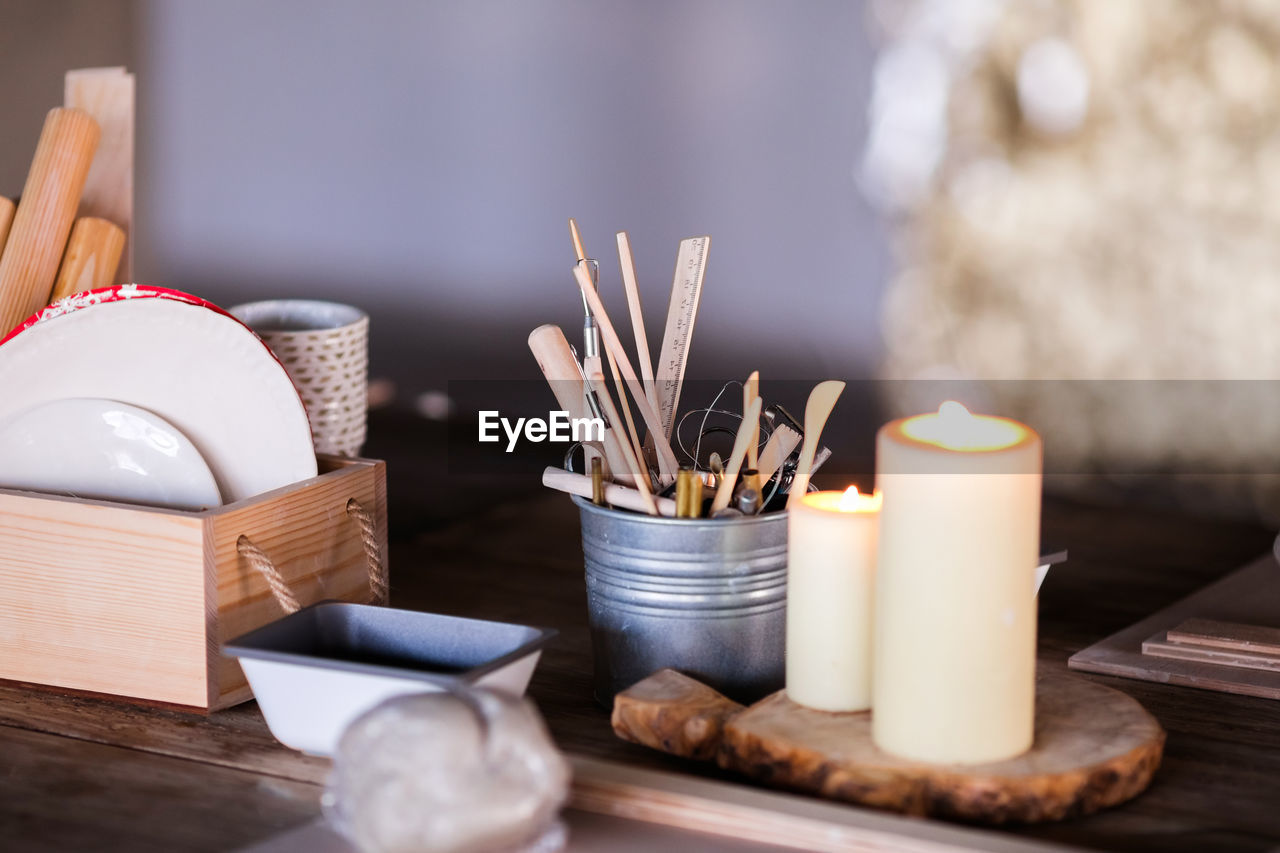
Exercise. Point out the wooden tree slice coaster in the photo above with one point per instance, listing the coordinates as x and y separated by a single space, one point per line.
1095 747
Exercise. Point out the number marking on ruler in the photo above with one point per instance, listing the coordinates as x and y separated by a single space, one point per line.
686 291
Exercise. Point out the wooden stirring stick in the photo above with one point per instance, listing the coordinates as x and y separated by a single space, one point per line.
643 356
776 450
822 399
667 466
751 391
595 381
724 492
590 364
614 494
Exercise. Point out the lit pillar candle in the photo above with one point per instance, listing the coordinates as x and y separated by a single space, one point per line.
831 560
955 618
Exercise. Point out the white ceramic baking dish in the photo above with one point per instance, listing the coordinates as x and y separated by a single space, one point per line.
316 670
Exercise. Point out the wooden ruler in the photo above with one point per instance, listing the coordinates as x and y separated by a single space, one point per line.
682 310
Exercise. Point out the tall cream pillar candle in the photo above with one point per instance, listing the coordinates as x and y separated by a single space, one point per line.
831 560
955 619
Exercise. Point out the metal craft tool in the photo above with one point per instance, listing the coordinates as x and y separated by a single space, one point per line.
682 311
597 482
591 339
688 494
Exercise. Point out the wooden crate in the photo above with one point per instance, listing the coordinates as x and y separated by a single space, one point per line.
137 601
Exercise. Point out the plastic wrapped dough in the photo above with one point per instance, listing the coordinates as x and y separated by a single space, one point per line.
457 772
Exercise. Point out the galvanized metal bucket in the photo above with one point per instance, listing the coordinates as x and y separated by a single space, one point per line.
704 597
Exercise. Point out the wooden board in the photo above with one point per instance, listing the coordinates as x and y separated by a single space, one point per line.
107 94
234 743
1247 596
1095 747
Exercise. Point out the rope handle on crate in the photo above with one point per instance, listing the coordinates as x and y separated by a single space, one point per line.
288 602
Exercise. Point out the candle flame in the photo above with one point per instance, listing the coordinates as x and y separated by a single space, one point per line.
954 427
849 501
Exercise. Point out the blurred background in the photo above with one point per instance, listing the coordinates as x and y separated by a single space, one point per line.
1072 192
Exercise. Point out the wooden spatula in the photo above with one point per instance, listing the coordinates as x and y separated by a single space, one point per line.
822 399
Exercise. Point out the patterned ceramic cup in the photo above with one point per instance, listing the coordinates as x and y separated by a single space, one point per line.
325 348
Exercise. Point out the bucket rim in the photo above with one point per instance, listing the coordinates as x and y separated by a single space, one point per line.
779 516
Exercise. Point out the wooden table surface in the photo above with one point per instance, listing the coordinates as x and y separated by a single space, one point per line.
80 774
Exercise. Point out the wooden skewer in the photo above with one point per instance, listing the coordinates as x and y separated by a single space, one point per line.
577 240
7 207
776 450
580 250
92 256
564 375
751 391
626 410
822 399
595 381
667 466
45 213
724 493
107 94
618 496
643 356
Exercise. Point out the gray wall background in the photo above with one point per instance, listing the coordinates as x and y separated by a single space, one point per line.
421 159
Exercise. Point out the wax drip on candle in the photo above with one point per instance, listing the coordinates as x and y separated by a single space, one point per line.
953 427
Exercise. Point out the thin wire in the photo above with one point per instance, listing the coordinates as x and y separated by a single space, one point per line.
766 429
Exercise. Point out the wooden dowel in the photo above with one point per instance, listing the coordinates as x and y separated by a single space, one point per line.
667 466
45 212
107 94
751 391
92 256
7 207
724 493
562 371
614 494
626 410
578 249
643 356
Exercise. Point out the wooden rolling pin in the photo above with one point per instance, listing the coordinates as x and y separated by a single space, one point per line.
92 256
7 208
623 497
42 223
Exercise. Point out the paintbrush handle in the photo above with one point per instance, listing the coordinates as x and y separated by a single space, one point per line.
724 492
618 496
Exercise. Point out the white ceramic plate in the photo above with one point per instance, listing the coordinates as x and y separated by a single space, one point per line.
178 357
102 449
